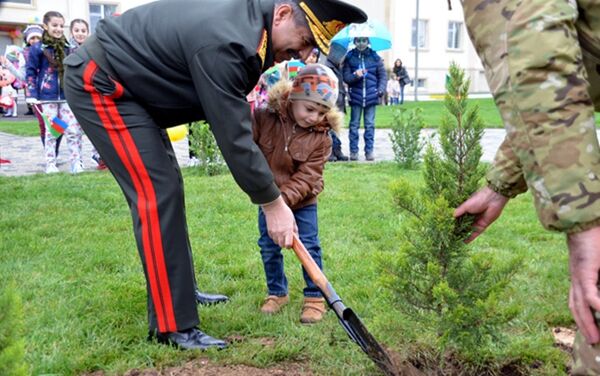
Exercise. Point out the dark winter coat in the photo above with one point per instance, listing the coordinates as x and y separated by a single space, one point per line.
364 91
42 79
337 70
401 75
188 60
296 155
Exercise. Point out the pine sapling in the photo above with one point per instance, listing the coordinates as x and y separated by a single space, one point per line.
406 137
452 292
204 146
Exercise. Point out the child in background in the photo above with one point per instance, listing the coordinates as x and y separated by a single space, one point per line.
393 90
292 133
44 76
286 70
80 30
10 92
313 57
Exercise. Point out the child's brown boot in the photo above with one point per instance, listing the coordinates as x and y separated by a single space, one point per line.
274 303
312 310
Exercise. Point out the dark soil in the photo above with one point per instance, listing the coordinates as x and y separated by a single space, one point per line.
203 367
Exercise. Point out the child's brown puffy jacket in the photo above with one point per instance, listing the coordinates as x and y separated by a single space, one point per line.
295 155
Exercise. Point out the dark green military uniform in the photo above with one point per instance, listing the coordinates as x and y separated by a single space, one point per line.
159 65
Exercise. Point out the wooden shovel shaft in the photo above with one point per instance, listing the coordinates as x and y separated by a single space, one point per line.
311 267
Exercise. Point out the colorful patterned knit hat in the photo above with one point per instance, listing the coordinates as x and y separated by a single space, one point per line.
32 31
316 83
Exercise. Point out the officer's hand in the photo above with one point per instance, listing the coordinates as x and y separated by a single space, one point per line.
584 265
281 224
486 205
359 73
32 101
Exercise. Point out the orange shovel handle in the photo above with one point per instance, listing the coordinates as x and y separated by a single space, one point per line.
311 267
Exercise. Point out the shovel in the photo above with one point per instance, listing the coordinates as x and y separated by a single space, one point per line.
348 319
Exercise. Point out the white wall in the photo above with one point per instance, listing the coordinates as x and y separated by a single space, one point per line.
434 59
13 13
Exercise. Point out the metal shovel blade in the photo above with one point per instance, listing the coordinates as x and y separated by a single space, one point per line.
369 344
357 331
348 319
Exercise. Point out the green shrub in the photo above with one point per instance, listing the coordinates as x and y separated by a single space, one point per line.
12 347
455 295
405 136
204 146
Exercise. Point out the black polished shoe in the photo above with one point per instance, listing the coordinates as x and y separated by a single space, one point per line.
190 339
208 299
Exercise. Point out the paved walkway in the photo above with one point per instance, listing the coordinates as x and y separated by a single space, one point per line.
26 154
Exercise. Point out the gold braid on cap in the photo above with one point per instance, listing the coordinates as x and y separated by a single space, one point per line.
321 31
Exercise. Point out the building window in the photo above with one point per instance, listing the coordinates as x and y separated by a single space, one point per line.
100 11
422 34
454 35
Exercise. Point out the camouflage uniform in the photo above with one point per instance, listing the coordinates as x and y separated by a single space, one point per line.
542 62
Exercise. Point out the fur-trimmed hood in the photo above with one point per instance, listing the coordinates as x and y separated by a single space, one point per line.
279 103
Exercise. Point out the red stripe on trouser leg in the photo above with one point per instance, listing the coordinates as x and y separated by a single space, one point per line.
146 204
151 206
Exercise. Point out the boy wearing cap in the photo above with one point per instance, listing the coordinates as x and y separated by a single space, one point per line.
292 133
147 70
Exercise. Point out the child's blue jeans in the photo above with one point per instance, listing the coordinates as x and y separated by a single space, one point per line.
277 284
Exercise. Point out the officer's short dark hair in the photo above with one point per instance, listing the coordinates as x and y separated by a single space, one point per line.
299 17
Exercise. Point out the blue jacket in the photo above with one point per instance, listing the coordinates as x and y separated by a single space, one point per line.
42 78
364 91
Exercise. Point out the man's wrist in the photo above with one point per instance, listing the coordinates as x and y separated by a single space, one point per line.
271 204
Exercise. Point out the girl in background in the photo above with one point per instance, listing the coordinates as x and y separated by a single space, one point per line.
44 76
80 30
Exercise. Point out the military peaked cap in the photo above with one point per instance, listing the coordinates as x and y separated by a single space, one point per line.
327 17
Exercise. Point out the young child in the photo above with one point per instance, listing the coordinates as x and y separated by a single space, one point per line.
292 134
44 76
79 30
393 90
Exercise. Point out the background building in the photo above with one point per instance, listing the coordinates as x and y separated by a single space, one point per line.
16 14
442 34
442 39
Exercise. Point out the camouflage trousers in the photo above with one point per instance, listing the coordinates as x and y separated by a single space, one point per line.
543 70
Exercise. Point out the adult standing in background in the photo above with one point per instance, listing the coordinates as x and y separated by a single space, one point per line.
334 61
131 80
402 77
366 78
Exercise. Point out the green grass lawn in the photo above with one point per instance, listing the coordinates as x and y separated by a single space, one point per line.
432 113
28 128
66 242
433 110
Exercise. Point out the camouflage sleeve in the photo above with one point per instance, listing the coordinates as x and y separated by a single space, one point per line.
506 174
535 70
